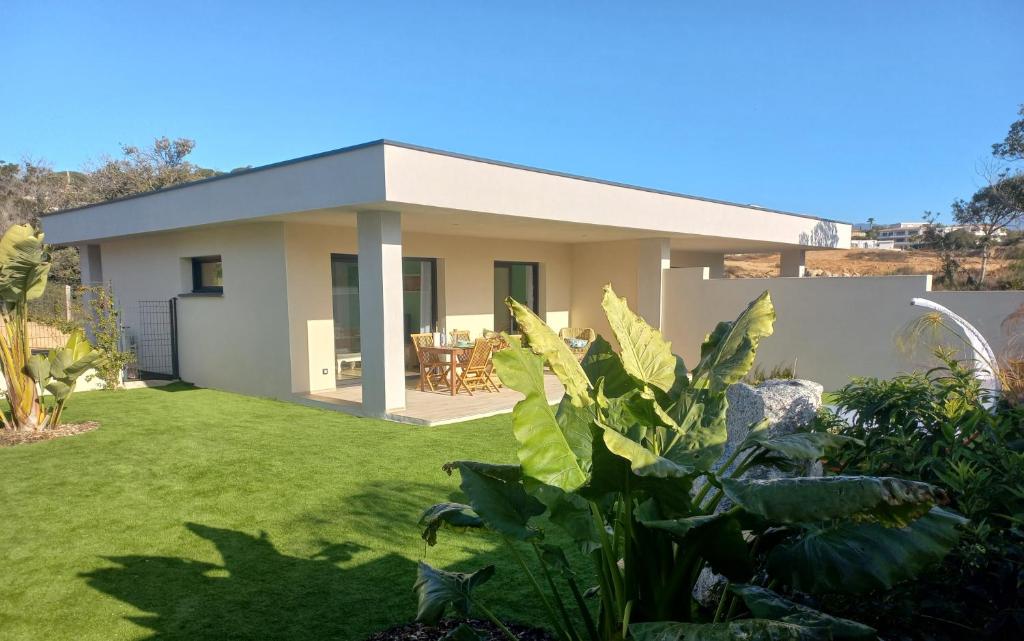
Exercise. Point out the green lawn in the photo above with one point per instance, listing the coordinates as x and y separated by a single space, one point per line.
199 515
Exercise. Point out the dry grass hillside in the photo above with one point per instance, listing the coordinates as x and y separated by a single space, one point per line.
859 262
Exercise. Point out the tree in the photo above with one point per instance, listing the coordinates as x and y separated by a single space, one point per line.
31 189
934 236
140 170
870 233
991 210
1012 147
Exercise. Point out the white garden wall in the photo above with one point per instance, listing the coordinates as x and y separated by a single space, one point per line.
835 328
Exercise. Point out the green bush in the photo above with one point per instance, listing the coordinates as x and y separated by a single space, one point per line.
935 427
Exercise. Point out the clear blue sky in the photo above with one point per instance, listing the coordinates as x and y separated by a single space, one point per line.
843 109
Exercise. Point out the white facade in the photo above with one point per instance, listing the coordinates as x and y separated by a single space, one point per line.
280 235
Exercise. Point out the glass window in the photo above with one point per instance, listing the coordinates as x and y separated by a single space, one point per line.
207 275
518 280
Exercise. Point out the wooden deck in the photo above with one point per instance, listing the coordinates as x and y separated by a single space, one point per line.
431 408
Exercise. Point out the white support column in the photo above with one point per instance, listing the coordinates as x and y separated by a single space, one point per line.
653 257
90 264
792 262
380 311
714 261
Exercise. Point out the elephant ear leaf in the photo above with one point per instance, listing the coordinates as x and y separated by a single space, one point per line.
718 538
23 265
800 446
602 363
728 352
746 629
497 495
888 501
854 558
455 515
765 604
545 342
547 451
645 353
437 589
642 461
38 367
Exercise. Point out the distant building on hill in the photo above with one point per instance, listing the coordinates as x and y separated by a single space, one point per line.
871 243
908 235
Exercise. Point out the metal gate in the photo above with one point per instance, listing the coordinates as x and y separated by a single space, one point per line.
157 339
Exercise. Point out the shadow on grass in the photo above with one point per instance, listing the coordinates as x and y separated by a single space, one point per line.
258 593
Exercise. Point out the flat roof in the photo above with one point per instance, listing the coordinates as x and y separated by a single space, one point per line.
451 154
424 183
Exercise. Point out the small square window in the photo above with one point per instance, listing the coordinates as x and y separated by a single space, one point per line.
207 275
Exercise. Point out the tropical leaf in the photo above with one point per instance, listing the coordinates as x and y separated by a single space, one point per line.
571 512
718 538
545 450
545 342
740 630
497 495
642 461
891 502
456 515
801 446
437 589
645 353
602 363
860 557
765 604
728 352
59 389
23 265
38 367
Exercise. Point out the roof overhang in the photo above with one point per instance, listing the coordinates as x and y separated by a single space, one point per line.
440 191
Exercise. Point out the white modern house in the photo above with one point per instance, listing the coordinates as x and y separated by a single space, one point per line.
297 277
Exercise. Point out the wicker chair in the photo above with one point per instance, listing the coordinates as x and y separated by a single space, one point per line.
573 335
433 370
475 373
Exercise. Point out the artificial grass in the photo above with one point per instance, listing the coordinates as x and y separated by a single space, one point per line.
194 514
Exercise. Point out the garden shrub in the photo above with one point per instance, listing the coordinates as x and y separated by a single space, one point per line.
936 427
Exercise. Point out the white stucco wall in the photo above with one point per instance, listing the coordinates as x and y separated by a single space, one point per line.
835 328
238 341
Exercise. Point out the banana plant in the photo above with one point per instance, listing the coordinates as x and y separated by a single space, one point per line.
58 372
24 268
614 466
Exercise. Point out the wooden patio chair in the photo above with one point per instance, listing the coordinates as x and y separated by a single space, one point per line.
459 336
497 340
475 374
574 337
433 369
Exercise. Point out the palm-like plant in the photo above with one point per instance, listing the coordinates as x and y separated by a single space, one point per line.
615 467
24 267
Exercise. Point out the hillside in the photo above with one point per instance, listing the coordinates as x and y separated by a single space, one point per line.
859 262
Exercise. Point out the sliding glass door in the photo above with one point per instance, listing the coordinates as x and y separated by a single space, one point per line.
518 280
419 302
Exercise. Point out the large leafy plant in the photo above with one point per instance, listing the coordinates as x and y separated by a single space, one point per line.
24 267
615 466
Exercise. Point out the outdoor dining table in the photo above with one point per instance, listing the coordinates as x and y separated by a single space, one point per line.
454 353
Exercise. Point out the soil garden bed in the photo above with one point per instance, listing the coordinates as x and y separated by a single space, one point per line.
487 631
10 438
